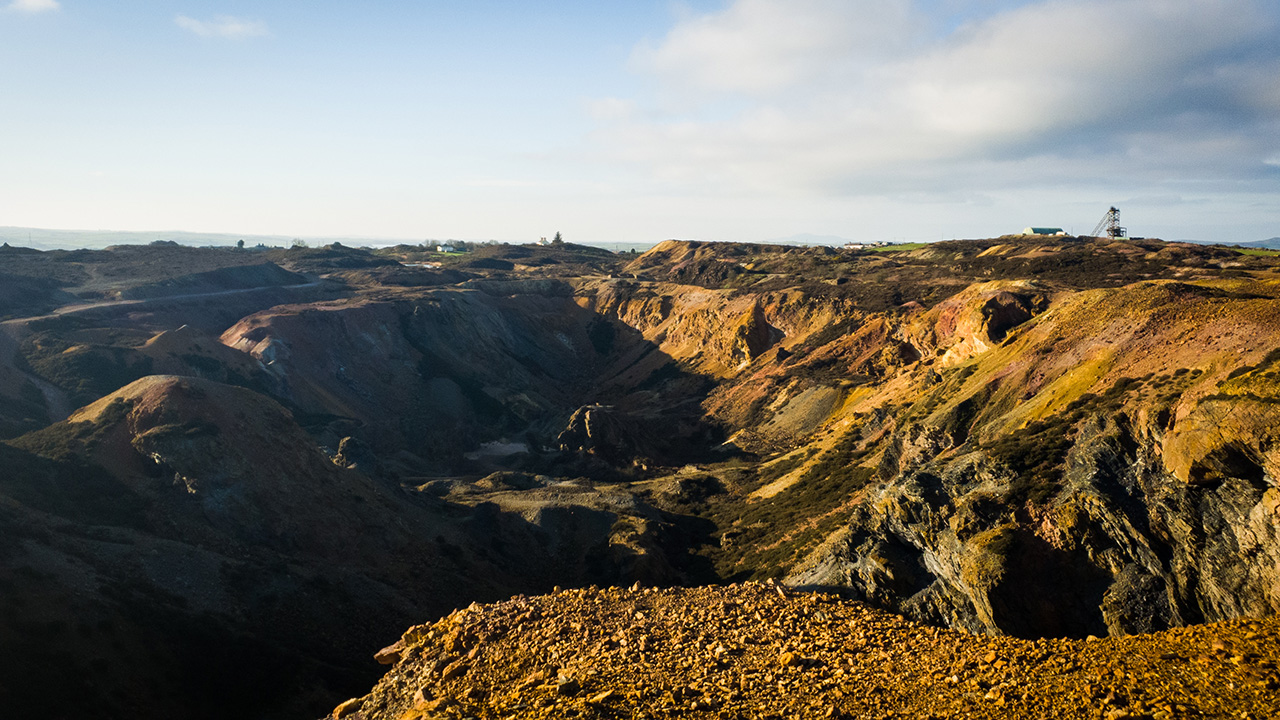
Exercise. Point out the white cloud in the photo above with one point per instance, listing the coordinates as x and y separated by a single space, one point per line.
223 26
859 96
762 46
610 108
32 7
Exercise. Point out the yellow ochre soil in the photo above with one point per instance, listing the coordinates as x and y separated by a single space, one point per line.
759 650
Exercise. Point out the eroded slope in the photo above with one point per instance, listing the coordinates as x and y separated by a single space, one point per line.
192 533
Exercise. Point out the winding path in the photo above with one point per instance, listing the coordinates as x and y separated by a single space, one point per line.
56 402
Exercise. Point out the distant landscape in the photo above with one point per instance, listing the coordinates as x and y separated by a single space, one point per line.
47 239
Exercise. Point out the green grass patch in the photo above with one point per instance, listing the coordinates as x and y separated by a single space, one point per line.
764 538
785 465
1037 453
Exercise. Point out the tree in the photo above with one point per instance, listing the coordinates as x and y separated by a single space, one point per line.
558 240
240 244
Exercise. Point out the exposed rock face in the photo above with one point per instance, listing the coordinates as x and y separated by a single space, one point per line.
751 335
602 432
1065 463
1124 548
975 319
436 372
356 454
1129 511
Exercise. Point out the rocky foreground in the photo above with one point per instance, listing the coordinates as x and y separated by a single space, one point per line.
759 650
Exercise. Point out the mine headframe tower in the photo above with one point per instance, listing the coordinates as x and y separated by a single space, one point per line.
1109 225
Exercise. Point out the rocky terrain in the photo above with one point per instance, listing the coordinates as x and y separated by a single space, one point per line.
222 464
759 651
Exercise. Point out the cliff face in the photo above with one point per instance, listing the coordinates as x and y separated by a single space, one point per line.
1123 546
1103 470
1025 456
436 373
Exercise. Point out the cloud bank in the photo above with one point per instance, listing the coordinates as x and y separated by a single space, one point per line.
857 97
31 7
223 26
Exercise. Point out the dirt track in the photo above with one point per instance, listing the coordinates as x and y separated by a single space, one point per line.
59 406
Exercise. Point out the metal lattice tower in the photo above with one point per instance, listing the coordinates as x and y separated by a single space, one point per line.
1109 226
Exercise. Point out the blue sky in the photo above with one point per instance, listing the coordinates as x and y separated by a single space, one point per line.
637 121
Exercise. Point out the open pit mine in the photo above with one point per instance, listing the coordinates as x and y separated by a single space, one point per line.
1018 477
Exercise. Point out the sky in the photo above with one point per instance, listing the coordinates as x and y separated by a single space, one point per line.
638 120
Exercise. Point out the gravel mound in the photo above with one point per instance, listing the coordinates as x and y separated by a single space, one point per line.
758 650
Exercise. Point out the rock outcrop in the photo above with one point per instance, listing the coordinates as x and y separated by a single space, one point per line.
603 432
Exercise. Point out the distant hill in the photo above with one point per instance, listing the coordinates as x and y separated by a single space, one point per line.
1268 243
53 239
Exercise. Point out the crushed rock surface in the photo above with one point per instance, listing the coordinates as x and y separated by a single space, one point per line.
760 651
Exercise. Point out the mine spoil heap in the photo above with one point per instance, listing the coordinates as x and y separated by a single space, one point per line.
759 650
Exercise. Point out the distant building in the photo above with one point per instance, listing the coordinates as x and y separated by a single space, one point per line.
1043 231
448 248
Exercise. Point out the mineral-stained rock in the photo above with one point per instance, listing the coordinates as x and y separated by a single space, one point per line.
347 708
1123 547
389 655
816 655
